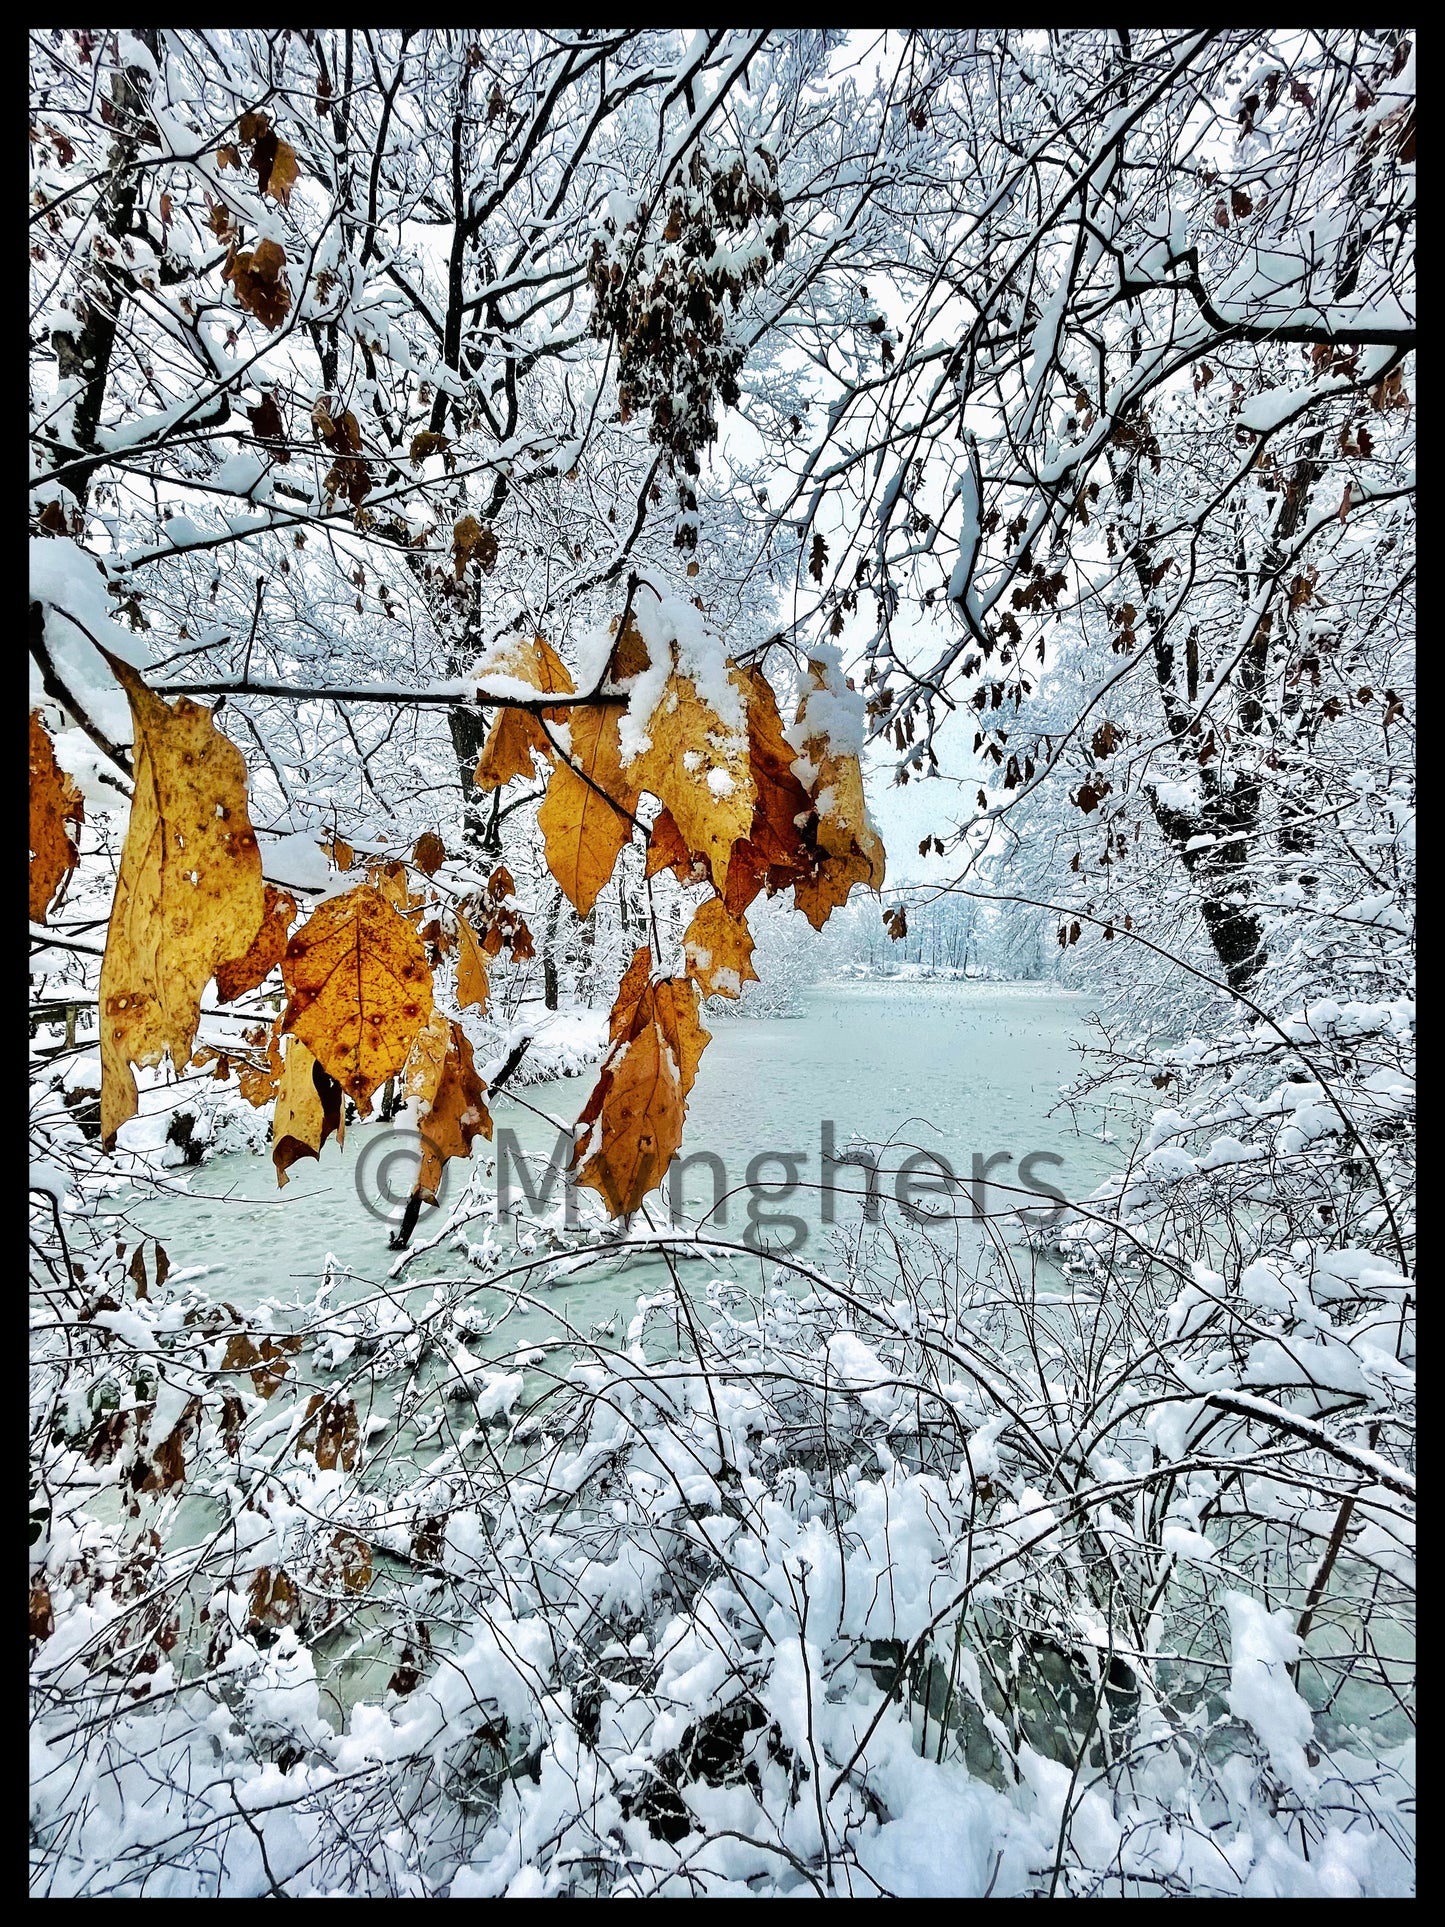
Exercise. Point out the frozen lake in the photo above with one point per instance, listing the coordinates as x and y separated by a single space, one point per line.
968 1073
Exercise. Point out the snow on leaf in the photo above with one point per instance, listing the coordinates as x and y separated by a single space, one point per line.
718 948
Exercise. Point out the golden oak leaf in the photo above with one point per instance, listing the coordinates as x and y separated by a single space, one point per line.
55 808
455 1115
308 1110
188 897
719 950
631 1128
233 980
260 286
430 853
698 766
339 853
472 983
358 989
583 830
508 750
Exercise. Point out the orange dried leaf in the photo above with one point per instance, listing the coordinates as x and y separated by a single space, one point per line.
358 988
698 765
515 736
456 1113
632 1125
55 809
189 895
245 973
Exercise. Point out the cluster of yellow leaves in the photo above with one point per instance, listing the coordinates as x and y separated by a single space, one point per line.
632 1126
736 812
55 810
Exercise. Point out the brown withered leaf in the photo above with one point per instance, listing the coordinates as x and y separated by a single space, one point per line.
427 442
273 1599
267 425
582 816
260 286
455 1115
472 983
393 883
308 1111
339 853
473 538
779 849
358 990
629 655
167 1464
234 979
42 1618
430 853
266 1363
56 808
330 1433
353 1556
719 950
261 1076
189 895
699 767
632 1124
276 165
